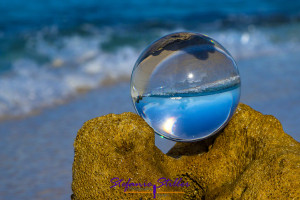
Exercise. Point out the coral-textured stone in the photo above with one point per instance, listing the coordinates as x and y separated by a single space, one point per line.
252 158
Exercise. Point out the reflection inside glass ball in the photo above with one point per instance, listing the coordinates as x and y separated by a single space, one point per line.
186 86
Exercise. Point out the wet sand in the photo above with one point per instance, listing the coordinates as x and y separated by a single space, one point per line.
37 152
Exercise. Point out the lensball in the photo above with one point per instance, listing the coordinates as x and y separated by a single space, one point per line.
186 86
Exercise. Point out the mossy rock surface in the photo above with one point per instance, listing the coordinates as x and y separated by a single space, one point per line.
252 158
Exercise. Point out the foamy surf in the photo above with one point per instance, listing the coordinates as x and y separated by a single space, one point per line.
72 64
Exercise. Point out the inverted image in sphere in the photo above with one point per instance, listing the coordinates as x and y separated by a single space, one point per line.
186 86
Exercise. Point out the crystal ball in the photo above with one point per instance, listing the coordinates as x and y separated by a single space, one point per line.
186 86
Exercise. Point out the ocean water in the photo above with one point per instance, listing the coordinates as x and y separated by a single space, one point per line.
189 116
52 51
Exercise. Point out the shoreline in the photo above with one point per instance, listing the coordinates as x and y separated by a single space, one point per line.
60 102
33 141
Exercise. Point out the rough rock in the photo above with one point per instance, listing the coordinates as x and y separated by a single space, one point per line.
252 158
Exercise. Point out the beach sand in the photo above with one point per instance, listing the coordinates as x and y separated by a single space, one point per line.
37 151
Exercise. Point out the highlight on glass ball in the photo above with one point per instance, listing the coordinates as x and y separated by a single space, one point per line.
186 86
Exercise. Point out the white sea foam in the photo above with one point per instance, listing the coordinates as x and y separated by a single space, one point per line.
220 84
78 62
215 86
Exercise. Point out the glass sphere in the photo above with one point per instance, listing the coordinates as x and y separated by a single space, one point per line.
186 86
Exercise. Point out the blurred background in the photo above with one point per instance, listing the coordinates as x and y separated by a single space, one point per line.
65 62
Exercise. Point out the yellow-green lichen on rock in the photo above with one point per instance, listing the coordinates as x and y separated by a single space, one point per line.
252 158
